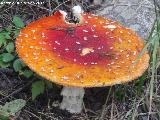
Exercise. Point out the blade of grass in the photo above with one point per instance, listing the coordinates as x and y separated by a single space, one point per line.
149 41
154 62
104 106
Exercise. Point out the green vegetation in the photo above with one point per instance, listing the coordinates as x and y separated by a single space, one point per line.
9 59
11 108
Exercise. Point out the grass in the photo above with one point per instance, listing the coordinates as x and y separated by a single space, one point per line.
137 100
153 43
154 58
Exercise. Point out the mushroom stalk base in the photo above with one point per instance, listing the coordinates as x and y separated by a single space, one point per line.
72 99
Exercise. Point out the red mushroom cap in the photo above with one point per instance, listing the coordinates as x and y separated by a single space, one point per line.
96 52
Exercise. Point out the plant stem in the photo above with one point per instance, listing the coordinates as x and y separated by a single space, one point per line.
72 99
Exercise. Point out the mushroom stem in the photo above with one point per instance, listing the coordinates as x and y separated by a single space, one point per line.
72 99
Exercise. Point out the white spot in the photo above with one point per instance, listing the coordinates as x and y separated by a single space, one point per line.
113 22
94 25
42 68
40 43
34 37
55 77
121 31
65 78
129 41
134 53
43 35
116 73
57 43
26 55
36 47
44 43
52 71
118 66
107 33
107 22
86 51
92 29
112 63
34 53
74 60
95 81
129 33
93 15
86 21
33 31
43 48
116 58
101 22
26 35
82 81
85 63
133 62
111 48
35 58
85 38
120 40
93 63
66 49
121 50
109 70
127 55
110 27
89 17
78 75
31 47
78 43
122 62
99 48
47 60
54 48
95 36
85 31
118 82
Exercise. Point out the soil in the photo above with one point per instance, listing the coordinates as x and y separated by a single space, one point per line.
46 106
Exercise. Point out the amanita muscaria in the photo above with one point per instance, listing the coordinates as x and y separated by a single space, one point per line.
95 52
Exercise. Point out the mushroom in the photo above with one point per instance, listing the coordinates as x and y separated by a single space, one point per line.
95 52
